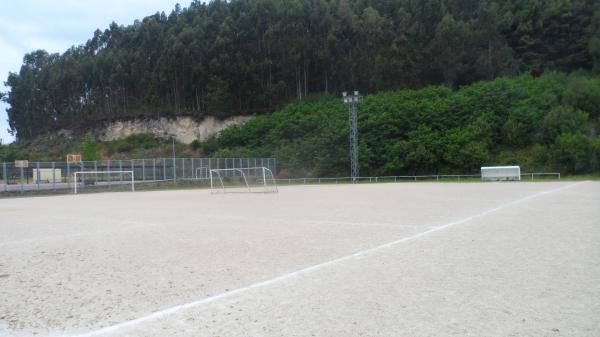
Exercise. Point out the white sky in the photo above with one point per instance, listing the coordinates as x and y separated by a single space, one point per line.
27 25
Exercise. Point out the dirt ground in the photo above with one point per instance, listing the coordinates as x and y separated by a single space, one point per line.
410 259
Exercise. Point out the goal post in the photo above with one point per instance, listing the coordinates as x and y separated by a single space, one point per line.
201 172
109 180
242 180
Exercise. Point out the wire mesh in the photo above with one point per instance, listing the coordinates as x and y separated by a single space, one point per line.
147 172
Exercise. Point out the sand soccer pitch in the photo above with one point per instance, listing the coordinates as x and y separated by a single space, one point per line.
407 259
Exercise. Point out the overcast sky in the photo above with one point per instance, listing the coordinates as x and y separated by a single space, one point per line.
27 25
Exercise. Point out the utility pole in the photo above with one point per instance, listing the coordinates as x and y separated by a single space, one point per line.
352 102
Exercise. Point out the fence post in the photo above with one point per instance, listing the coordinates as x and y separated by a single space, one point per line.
532 177
22 177
182 168
558 175
96 169
143 169
82 176
193 171
164 169
174 169
437 178
132 171
68 171
154 169
53 176
37 175
121 169
5 172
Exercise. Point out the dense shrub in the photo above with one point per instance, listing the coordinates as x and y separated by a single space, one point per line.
574 153
10 153
529 121
89 150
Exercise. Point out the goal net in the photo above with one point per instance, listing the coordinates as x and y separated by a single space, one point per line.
97 181
242 180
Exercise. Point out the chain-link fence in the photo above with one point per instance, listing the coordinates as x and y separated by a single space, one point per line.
60 176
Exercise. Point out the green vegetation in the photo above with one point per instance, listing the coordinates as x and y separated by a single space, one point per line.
251 56
89 150
11 152
453 84
56 148
546 123
533 122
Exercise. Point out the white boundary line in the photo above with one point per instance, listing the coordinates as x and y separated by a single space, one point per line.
214 298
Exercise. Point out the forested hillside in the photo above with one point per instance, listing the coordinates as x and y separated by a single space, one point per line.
254 56
549 123
545 123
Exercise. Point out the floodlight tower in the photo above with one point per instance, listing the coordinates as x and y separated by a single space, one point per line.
352 102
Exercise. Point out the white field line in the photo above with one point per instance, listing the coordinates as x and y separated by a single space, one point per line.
175 309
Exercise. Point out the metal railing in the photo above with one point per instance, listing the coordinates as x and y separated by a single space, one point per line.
404 178
49 176
54 176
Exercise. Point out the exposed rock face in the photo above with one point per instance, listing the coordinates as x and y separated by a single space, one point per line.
184 129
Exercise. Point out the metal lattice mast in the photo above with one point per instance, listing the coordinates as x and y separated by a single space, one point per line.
352 103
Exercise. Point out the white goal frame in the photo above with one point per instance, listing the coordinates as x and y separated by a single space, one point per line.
199 170
216 177
96 173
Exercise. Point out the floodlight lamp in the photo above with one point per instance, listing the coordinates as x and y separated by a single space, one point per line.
344 94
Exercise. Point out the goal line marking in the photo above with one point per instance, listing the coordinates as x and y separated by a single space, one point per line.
170 311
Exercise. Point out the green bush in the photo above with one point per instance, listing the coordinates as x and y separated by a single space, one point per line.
584 94
89 150
431 130
196 144
561 120
10 153
133 142
574 153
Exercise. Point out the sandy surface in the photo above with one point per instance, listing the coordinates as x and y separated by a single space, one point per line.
494 259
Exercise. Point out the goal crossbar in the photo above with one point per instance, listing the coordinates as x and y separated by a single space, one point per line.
97 173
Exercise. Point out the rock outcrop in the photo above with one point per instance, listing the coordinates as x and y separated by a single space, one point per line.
184 129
